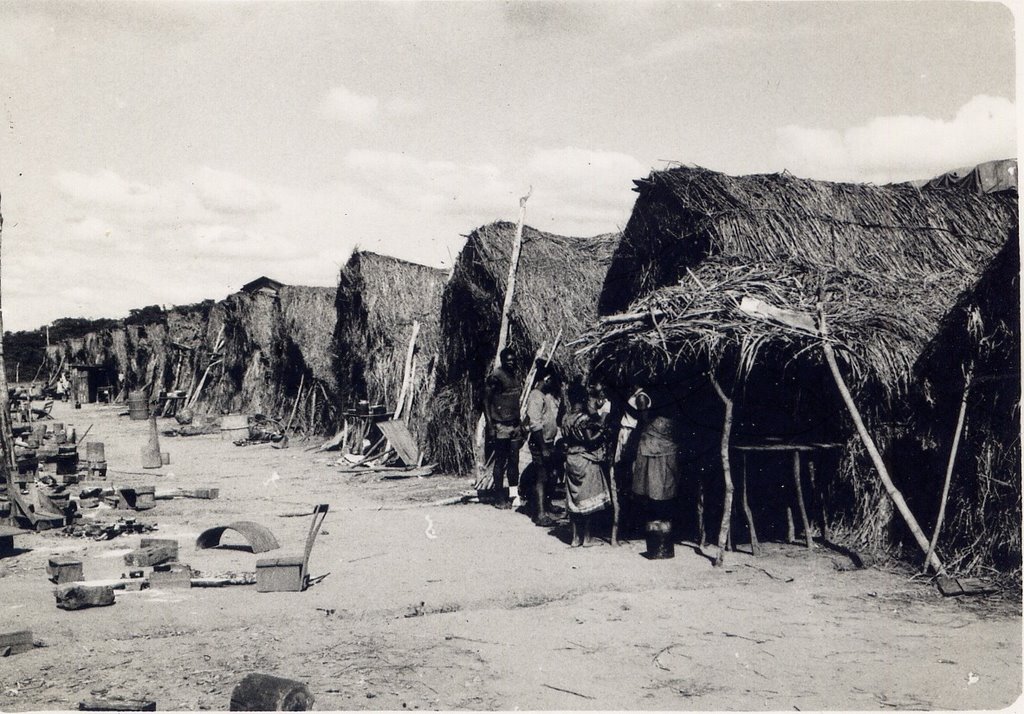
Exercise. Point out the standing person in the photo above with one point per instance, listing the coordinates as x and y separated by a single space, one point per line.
504 429
586 490
656 468
542 422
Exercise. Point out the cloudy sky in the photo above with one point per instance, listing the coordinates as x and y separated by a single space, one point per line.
166 152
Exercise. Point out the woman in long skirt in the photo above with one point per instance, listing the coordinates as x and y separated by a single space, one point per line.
586 489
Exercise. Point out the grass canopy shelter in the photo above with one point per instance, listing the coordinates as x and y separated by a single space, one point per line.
557 285
380 301
760 282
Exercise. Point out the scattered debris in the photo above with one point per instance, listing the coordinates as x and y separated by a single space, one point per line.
77 596
567 691
955 587
224 580
769 574
166 494
265 692
171 575
152 551
107 531
116 704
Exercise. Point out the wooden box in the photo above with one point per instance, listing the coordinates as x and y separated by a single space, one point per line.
281 574
64 569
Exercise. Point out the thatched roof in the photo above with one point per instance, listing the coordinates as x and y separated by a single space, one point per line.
884 262
557 284
378 299
684 215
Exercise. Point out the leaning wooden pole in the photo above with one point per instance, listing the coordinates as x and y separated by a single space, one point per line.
949 466
506 309
723 529
6 433
406 386
876 457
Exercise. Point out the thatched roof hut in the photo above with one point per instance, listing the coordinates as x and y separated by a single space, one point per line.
270 346
377 301
732 276
557 284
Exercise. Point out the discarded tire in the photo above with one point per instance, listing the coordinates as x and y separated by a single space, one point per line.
267 693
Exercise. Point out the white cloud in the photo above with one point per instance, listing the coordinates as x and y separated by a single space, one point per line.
689 42
225 192
345 105
897 148
209 231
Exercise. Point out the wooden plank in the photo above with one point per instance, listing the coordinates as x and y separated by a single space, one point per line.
114 704
15 642
398 435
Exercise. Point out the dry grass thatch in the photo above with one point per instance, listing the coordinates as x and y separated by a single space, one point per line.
883 261
378 299
557 285
980 335
684 215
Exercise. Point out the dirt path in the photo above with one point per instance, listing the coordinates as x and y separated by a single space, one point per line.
467 607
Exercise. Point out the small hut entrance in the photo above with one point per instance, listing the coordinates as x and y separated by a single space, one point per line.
86 381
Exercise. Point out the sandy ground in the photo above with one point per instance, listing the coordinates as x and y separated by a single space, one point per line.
468 607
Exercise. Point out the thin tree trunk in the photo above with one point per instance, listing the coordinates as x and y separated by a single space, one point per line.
949 466
723 529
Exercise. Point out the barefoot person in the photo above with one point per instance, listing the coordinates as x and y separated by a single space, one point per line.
586 490
501 410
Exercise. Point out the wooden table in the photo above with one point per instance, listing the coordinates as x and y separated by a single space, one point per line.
796 449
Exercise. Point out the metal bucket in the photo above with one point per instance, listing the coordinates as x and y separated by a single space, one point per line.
659 540
138 406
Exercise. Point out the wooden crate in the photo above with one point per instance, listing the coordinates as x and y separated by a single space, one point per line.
281 574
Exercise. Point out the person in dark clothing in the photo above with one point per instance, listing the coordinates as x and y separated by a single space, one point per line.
504 428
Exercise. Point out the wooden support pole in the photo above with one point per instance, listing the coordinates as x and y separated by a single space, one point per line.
723 529
510 289
755 545
407 371
949 466
6 432
295 406
820 494
876 457
800 500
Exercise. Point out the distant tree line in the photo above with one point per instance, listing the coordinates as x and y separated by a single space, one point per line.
24 351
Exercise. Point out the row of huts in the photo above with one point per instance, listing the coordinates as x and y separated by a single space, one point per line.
749 297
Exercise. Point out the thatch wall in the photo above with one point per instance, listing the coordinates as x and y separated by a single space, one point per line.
377 301
557 285
271 344
980 334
